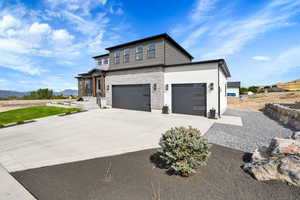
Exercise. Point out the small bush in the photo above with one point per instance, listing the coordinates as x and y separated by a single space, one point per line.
68 113
1 125
20 122
184 150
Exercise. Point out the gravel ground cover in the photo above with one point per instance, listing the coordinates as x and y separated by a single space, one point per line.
257 130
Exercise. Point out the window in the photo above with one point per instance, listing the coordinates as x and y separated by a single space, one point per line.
99 84
99 62
151 50
139 53
105 61
126 55
117 57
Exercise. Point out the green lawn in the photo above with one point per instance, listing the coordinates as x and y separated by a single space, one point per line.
32 113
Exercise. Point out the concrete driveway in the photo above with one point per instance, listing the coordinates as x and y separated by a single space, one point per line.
96 133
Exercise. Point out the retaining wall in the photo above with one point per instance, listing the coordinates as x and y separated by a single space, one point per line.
284 114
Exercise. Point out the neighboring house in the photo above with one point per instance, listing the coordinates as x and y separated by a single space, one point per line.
233 89
153 72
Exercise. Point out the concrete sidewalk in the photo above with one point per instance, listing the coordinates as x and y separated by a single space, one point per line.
96 133
11 189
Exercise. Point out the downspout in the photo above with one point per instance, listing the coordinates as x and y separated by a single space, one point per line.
219 100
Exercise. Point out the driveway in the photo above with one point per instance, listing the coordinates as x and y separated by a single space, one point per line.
96 133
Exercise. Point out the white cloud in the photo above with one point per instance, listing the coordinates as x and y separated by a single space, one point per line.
19 63
39 29
202 8
14 46
227 37
82 7
62 36
238 34
8 21
261 58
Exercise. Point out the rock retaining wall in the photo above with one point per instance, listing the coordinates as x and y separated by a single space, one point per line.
285 115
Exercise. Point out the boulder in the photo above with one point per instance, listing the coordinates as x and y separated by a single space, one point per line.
282 147
296 135
260 154
285 169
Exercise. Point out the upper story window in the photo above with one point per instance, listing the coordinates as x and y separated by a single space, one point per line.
105 61
151 50
126 55
99 62
139 53
117 57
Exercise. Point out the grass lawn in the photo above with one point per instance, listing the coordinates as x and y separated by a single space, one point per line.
32 113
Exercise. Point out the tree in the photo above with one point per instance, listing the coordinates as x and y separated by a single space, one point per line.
253 89
243 90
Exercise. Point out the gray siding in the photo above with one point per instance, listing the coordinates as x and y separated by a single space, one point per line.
151 75
103 66
159 56
174 55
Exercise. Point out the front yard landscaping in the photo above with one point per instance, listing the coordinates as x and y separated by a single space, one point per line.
133 176
20 115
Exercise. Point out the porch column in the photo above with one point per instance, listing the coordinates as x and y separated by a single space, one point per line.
94 86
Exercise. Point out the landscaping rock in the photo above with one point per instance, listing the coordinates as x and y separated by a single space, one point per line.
296 135
282 147
279 161
286 169
260 154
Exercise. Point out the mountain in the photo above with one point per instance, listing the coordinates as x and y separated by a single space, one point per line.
67 92
6 93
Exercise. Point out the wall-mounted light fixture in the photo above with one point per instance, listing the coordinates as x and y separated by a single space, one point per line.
211 86
107 87
154 86
167 87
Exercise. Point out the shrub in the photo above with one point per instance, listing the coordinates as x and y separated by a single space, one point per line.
68 112
20 122
1 125
183 150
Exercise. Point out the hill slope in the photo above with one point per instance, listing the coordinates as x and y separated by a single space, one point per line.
292 85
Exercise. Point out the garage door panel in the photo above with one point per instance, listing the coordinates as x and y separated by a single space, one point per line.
134 97
189 98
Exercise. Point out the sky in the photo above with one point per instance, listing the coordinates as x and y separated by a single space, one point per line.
46 43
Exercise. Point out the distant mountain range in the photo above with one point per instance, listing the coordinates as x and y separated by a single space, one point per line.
6 93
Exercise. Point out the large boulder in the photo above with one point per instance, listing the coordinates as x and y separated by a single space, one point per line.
283 147
286 169
296 135
279 161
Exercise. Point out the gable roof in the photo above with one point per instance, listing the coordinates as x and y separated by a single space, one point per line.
163 35
236 84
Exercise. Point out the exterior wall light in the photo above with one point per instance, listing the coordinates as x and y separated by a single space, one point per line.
167 87
211 86
107 87
154 86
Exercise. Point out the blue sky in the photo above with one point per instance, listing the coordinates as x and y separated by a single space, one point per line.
46 43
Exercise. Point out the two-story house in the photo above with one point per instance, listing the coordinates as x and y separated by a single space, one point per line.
153 72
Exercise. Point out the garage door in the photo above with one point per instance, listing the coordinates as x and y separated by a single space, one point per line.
189 98
135 97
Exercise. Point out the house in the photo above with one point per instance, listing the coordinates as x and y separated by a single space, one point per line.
153 72
233 89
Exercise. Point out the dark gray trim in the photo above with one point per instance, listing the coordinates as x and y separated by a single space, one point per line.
219 98
102 55
163 35
220 61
